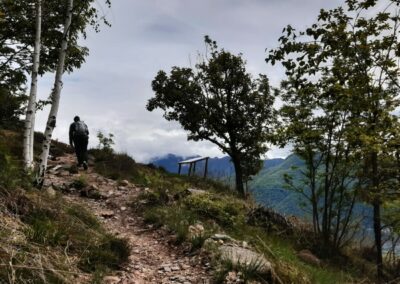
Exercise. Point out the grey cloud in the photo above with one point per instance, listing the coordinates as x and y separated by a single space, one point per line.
111 89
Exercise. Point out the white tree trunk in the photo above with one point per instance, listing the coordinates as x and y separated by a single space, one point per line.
31 109
55 98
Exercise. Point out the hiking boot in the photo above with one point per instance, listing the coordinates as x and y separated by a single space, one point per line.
85 165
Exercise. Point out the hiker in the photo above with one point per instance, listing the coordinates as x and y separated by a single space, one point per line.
78 139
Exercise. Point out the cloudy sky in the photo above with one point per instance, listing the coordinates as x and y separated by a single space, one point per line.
111 89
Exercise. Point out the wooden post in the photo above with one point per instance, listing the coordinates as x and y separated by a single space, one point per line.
190 169
194 168
206 168
179 169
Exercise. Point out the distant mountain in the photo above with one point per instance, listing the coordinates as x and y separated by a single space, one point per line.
269 188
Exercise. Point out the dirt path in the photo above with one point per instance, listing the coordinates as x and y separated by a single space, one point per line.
153 259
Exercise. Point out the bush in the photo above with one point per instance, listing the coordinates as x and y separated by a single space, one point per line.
11 172
80 183
114 165
223 210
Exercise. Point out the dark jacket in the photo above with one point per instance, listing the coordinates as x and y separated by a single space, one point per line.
72 132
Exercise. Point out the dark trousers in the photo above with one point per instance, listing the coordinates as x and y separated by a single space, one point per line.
81 144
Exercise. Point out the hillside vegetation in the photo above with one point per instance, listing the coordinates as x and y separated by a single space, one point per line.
44 238
181 204
51 241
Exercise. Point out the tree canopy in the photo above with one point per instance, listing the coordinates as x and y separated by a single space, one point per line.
220 102
341 90
17 37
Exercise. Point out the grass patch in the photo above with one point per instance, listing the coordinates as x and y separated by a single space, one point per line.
53 226
244 272
168 203
80 183
225 211
109 253
116 166
177 219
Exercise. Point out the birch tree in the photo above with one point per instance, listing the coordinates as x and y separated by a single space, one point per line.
31 108
55 96
70 55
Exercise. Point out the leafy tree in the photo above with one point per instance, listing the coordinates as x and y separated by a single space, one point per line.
219 102
20 34
10 107
316 114
29 131
17 37
105 143
77 16
347 66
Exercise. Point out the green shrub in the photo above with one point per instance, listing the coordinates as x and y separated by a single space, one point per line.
114 165
197 242
80 183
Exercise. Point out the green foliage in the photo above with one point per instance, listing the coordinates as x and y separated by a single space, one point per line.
198 241
217 102
209 206
78 231
177 219
115 165
105 143
109 253
17 31
80 183
11 172
220 211
246 272
339 99
11 107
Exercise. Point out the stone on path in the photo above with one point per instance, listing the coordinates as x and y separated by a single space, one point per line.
243 256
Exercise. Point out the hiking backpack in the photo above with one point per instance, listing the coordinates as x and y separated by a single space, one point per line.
81 128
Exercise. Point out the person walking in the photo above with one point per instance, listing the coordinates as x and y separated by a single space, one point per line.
79 139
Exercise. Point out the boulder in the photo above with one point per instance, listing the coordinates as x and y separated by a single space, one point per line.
243 256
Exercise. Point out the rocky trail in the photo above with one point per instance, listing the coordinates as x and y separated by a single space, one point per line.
154 259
